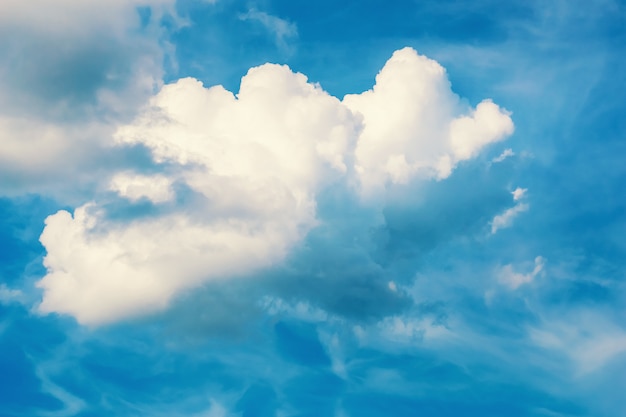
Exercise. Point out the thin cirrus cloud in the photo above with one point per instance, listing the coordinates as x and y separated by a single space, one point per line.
247 172
281 29
415 126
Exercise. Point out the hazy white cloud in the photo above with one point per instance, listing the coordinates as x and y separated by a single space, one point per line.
76 16
70 71
398 333
590 341
216 409
505 219
504 155
513 279
156 188
300 310
280 28
38 155
254 164
415 126
71 405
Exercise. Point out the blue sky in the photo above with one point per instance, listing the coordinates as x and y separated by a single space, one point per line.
285 208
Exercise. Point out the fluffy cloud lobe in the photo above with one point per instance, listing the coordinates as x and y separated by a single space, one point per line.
415 126
241 177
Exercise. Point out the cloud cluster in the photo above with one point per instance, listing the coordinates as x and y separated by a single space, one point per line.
241 177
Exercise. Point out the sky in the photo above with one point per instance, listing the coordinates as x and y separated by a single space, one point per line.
278 208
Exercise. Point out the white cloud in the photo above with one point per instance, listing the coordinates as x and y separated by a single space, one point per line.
505 219
254 163
590 341
519 193
504 155
512 279
102 276
415 126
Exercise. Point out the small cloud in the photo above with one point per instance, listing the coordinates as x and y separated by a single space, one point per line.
519 193
282 30
505 219
509 277
505 154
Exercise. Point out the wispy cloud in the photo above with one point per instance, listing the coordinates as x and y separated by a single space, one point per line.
255 169
591 341
511 278
282 30
507 153
506 218
8 295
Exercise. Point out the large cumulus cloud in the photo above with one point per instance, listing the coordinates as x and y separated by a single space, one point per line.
253 163
241 175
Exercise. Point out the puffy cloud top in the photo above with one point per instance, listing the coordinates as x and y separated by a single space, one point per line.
415 126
